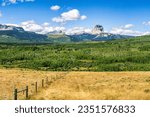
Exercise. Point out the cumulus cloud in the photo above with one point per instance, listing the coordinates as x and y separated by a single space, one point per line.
78 30
44 28
58 20
126 30
31 26
127 26
8 2
46 24
83 17
16 25
73 14
147 23
146 33
12 1
55 8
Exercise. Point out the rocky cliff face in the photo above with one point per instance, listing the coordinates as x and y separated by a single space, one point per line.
98 29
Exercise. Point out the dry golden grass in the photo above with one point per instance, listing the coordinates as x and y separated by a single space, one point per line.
20 78
79 85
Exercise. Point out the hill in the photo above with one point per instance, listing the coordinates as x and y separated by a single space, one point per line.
59 38
116 55
12 34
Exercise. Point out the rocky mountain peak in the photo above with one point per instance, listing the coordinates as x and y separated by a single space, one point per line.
98 29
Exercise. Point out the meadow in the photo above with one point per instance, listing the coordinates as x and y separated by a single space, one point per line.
76 85
116 55
10 79
99 86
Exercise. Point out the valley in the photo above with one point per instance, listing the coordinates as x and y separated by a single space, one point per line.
108 70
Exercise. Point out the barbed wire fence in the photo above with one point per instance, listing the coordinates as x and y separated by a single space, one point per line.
29 88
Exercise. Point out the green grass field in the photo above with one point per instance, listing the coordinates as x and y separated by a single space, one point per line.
117 55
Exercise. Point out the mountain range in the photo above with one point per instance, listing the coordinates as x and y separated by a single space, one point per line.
13 34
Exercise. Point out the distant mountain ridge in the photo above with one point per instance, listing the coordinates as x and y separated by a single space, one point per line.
20 34
97 37
97 34
15 34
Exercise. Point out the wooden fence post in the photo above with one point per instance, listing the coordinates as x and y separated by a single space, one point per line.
36 88
15 94
27 92
42 82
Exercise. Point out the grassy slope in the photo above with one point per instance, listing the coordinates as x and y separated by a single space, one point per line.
8 39
12 39
59 38
116 55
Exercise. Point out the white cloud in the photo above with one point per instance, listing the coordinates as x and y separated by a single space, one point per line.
46 24
55 8
31 26
13 1
58 19
146 33
147 23
125 30
1 14
8 2
73 14
44 28
127 26
16 25
83 17
78 30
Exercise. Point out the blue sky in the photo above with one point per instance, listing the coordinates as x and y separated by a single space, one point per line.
117 16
